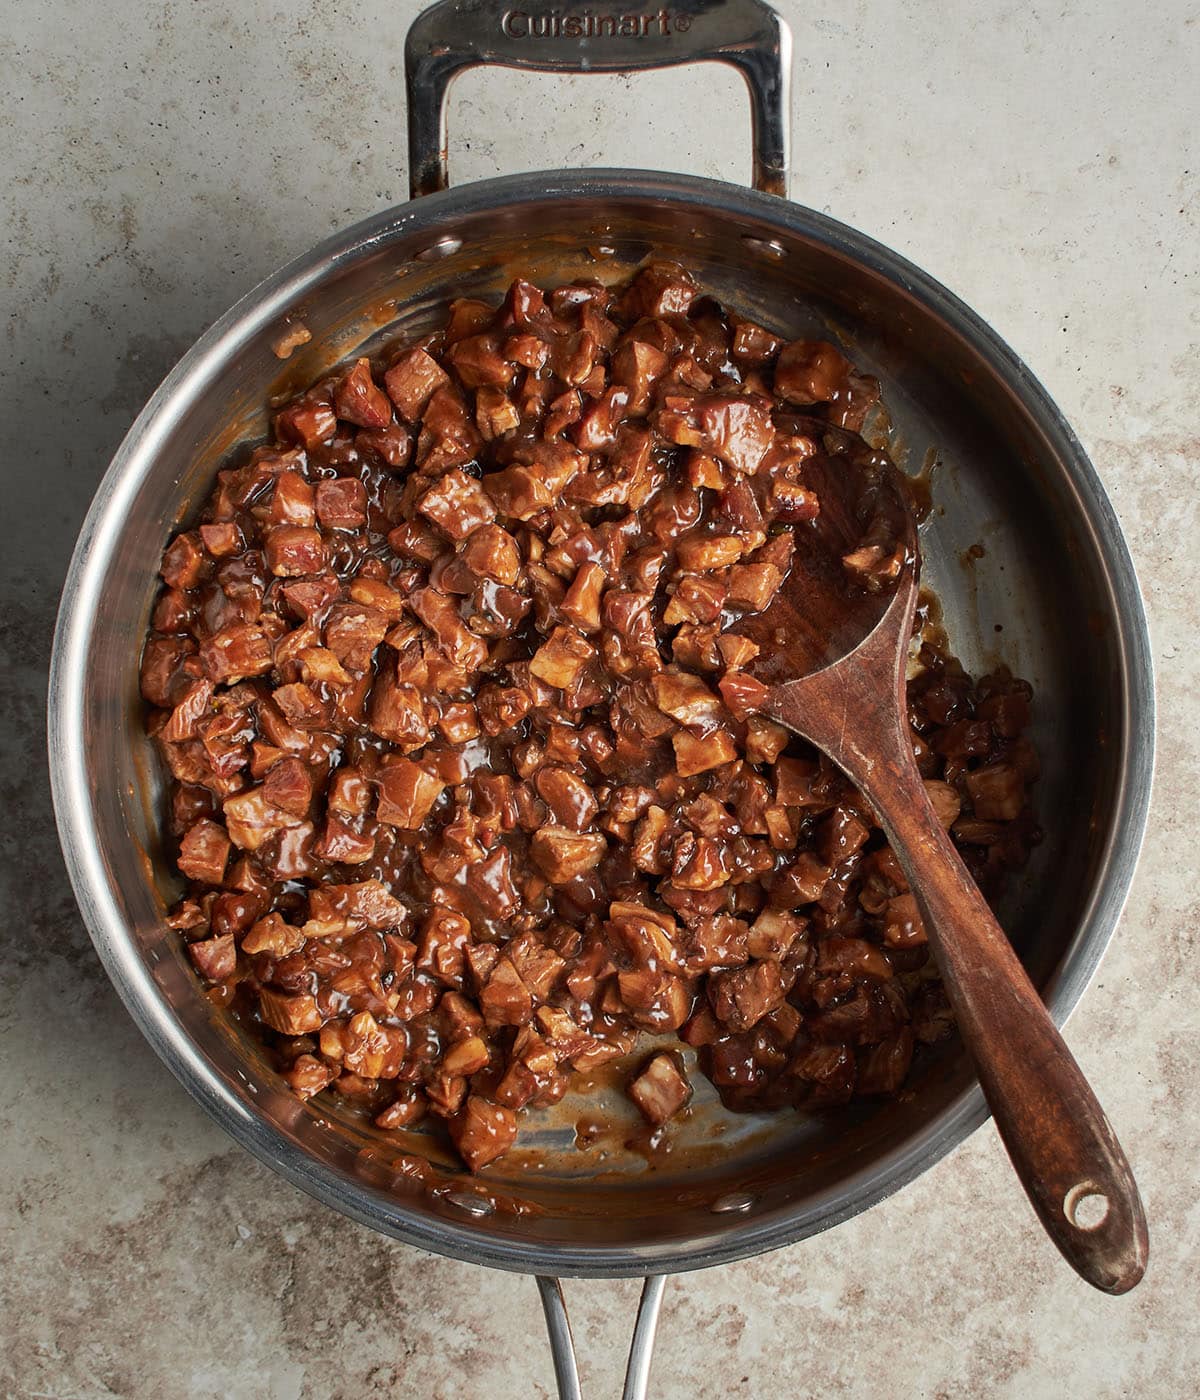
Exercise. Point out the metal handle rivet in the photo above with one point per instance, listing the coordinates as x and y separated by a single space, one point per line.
444 246
734 1201
470 1204
768 247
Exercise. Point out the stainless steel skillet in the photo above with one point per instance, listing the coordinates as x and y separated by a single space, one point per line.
1056 576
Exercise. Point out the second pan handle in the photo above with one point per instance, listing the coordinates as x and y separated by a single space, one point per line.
634 35
562 1347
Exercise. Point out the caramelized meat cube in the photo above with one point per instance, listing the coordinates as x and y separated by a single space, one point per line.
289 1015
194 706
491 552
349 792
365 904
320 664
448 435
997 791
902 926
301 705
183 562
392 445
440 614
162 677
699 863
504 998
753 343
639 366
457 505
686 698
214 958
792 502
561 658
467 1057
774 934
358 399
397 712
753 586
517 493
309 421
501 708
440 952
661 1089
539 967
698 598
340 843
289 786
204 852
648 849
581 602
562 855
235 653
310 596
946 801
742 997
570 800
885 1066
342 504
370 1050
660 289
251 819
811 371
353 631
377 595
695 754
495 414
273 935
655 1000
406 794
737 429
293 550
407 1108
840 835
411 381
222 539
478 362
644 935
701 552
293 501
765 740
446 1093
854 956
308 1076
483 1131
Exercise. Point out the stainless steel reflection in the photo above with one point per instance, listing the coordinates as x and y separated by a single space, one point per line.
1055 574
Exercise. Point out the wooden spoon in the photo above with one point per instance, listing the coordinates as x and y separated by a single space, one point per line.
834 646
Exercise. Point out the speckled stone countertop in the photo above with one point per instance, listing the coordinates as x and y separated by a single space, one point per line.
160 159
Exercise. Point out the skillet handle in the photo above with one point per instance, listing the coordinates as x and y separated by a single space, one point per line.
633 35
566 1373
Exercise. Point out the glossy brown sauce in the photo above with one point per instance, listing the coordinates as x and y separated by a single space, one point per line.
466 774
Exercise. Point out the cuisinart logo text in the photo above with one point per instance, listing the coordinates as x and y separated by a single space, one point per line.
520 24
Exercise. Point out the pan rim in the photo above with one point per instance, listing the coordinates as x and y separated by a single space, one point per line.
82 597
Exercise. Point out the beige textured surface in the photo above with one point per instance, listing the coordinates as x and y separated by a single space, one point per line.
161 158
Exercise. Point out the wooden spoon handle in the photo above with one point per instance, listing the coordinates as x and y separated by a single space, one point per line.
1060 1142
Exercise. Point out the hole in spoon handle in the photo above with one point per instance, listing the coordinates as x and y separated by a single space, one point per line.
1086 1206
